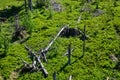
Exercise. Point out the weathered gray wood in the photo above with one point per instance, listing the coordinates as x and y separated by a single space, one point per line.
37 58
79 19
113 58
43 55
42 66
47 48
70 77
44 52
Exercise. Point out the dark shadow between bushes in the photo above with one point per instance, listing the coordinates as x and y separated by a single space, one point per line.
6 13
2 55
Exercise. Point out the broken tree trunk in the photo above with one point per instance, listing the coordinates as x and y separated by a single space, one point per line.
31 54
43 55
25 3
54 76
37 58
47 48
42 66
70 77
30 4
44 52
83 51
69 54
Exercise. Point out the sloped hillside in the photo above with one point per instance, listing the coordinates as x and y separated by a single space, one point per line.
95 56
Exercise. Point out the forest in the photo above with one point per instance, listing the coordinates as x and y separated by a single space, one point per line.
59 40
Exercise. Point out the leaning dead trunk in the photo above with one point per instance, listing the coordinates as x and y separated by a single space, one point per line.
47 48
43 68
44 52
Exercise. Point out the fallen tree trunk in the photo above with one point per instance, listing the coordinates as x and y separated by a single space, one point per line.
47 48
37 58
70 77
44 52
42 66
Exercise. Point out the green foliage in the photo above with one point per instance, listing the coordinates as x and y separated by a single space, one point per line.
27 23
43 24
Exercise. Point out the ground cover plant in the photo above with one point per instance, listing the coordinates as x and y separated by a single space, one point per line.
94 49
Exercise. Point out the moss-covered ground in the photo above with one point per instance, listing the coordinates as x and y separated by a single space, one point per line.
44 23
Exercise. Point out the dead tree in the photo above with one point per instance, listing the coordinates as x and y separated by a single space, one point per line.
44 52
42 66
37 60
43 55
54 76
69 54
70 77
25 3
83 50
30 53
47 48
30 4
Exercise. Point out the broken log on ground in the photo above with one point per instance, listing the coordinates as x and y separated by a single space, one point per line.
47 48
113 58
44 52
36 62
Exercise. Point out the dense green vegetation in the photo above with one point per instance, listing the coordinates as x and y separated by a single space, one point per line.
43 23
